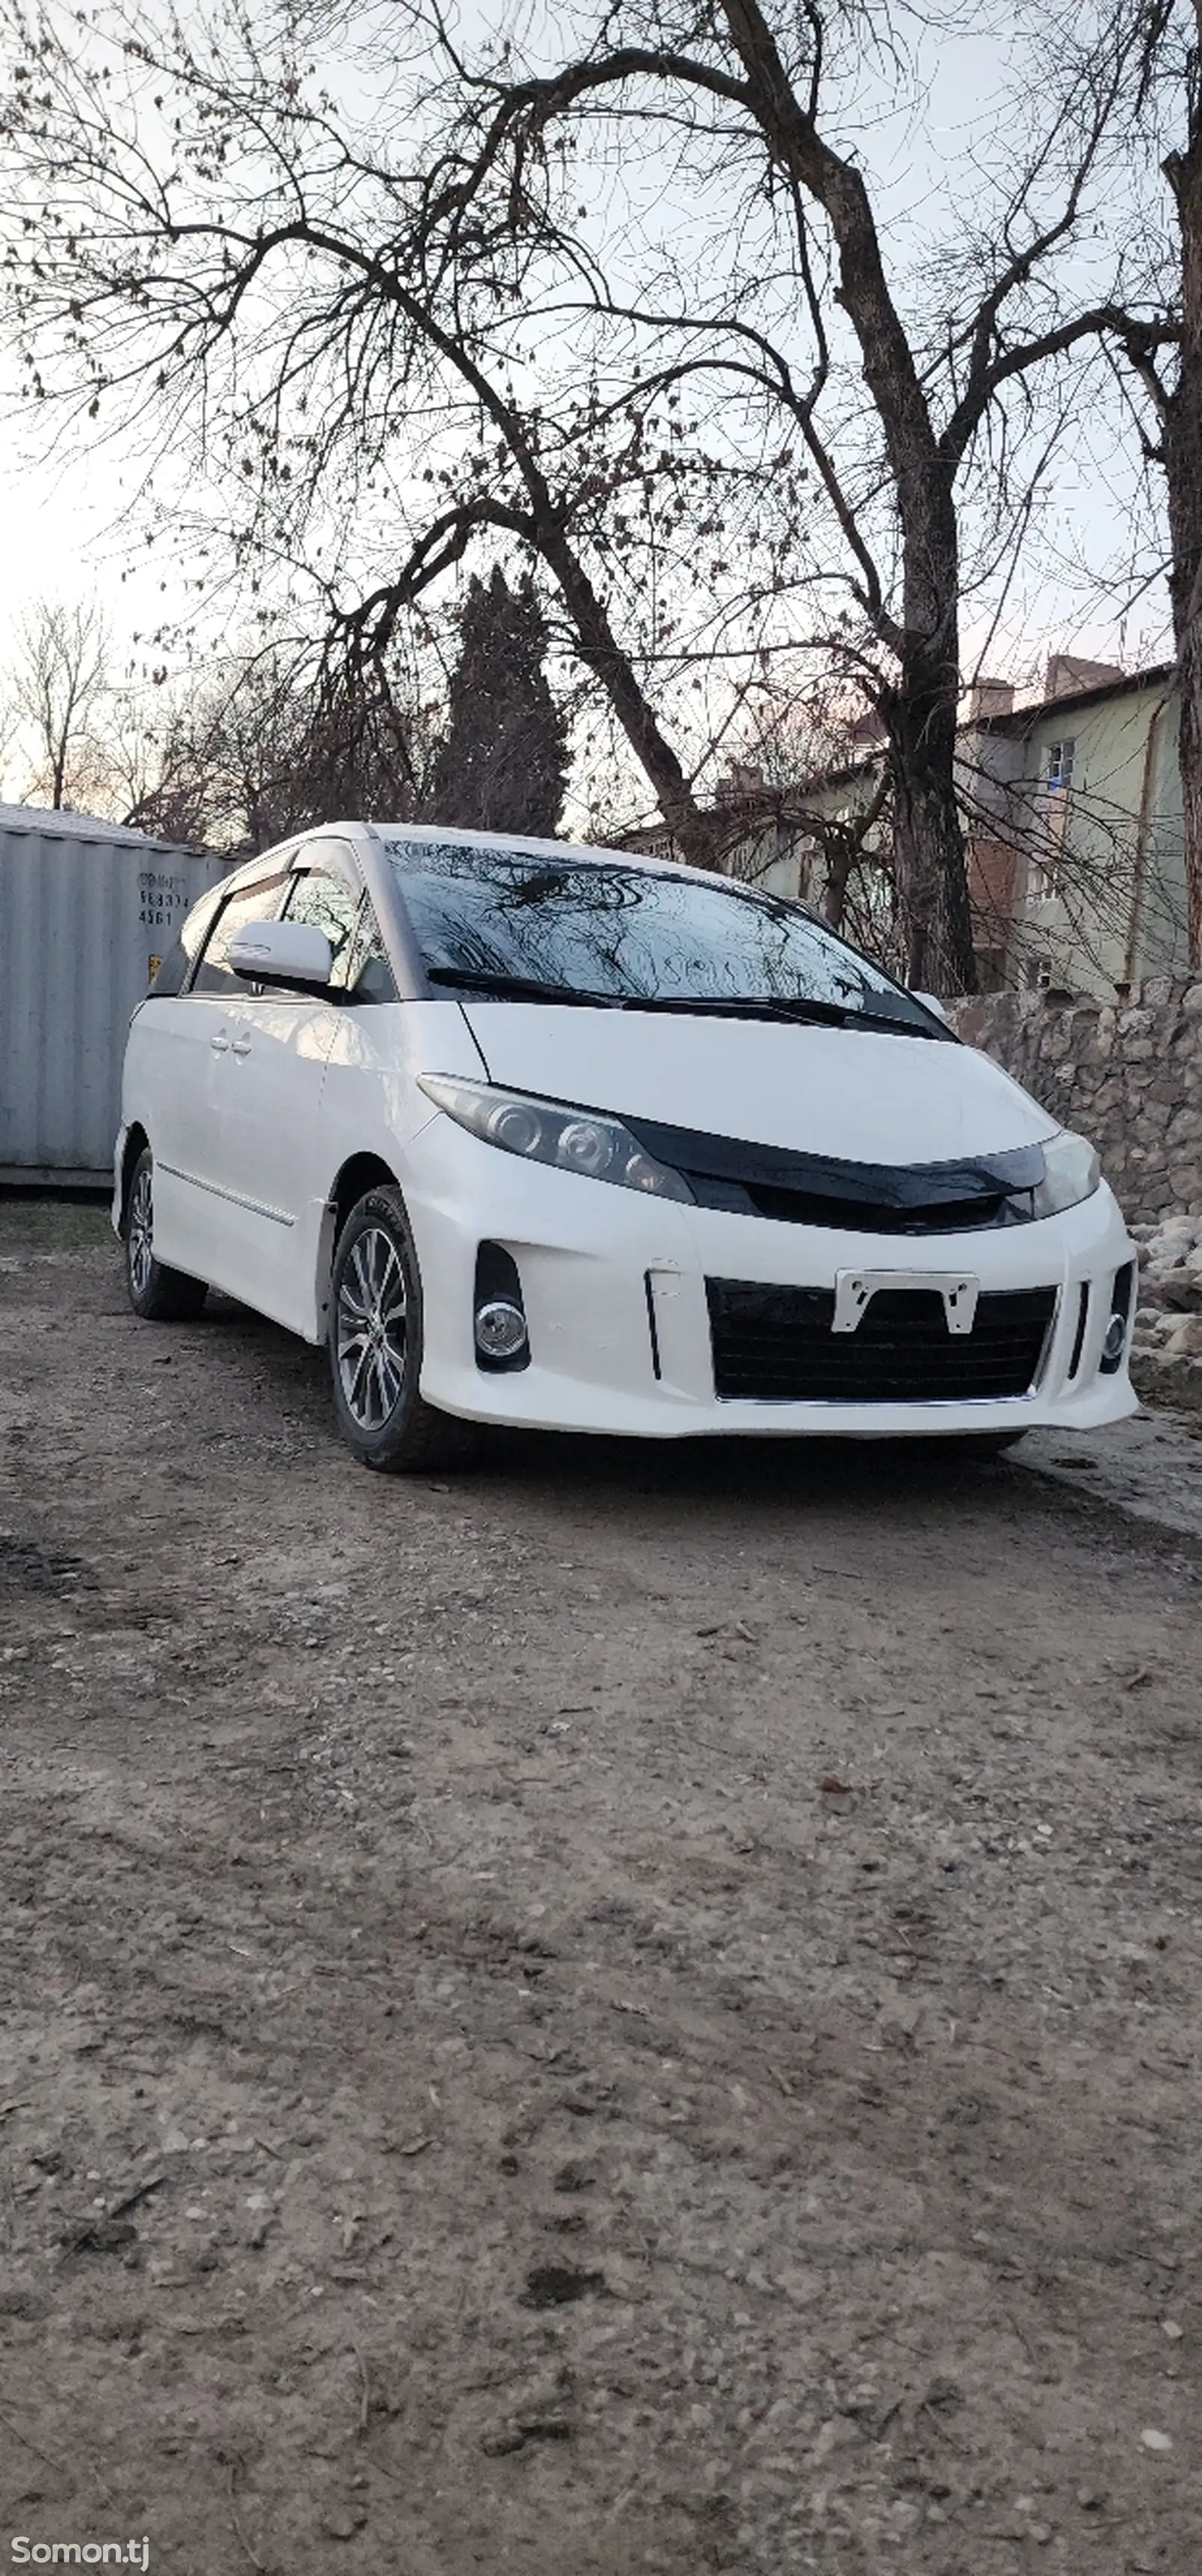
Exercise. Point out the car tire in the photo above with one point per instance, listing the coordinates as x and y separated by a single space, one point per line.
375 1345
159 1294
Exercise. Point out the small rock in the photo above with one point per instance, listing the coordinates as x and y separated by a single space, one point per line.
1170 2327
343 2526
175 2143
555 2285
1154 2441
1182 1287
1164 1379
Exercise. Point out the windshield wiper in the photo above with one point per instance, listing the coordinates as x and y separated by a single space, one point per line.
770 1006
518 988
749 1006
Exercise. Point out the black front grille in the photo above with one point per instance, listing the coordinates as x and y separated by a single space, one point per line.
775 1345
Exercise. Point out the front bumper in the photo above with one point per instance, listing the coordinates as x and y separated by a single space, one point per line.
615 1287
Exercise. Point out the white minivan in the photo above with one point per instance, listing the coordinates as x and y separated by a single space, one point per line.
532 1134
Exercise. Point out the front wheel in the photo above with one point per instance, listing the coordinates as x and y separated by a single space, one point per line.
159 1294
375 1344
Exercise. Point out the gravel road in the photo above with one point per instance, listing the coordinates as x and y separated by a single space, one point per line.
636 2009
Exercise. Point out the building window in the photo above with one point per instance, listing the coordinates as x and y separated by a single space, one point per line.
1050 819
1043 879
1037 974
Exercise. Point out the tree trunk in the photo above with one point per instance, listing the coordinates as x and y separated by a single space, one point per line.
932 875
834 897
920 714
928 843
1181 450
1187 631
692 831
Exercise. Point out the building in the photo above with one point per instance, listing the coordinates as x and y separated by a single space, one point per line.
1077 868
1073 817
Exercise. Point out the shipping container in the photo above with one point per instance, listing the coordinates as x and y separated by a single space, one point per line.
86 911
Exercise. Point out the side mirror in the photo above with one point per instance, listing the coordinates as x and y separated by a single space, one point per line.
281 952
931 1002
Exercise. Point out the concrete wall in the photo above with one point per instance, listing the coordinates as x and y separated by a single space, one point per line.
1128 1076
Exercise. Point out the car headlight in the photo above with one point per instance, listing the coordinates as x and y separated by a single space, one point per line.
1071 1172
551 1131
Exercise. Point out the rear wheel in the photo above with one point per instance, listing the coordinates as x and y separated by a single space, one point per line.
159 1294
376 1342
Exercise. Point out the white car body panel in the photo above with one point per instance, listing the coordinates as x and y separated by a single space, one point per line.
250 1138
830 1091
268 1087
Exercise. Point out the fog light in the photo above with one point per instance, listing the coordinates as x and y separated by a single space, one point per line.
1113 1340
500 1329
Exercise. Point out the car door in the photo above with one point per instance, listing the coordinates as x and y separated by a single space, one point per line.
180 1046
269 1090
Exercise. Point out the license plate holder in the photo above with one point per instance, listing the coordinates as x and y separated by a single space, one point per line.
855 1290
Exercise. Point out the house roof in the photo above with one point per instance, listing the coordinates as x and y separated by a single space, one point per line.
1021 719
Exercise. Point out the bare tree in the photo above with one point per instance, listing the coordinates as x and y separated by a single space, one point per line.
57 681
401 360
265 747
763 79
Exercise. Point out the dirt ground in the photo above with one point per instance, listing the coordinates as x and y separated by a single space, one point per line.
633 2010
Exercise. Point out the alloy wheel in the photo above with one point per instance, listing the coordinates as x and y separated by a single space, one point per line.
372 1339
141 1234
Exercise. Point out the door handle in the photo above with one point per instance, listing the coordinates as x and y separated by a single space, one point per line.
242 1046
220 1044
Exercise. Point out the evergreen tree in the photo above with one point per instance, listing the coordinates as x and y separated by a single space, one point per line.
502 765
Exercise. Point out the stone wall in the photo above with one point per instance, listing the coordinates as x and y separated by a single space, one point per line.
1129 1076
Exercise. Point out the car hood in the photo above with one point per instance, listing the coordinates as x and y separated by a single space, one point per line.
856 1094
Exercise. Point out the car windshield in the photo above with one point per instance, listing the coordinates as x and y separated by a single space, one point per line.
528 925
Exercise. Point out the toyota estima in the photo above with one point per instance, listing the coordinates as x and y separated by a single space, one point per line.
533 1134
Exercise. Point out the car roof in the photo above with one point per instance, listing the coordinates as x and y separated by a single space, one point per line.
585 851
456 836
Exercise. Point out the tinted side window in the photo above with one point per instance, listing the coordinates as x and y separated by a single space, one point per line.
330 906
369 977
254 903
173 972
360 964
